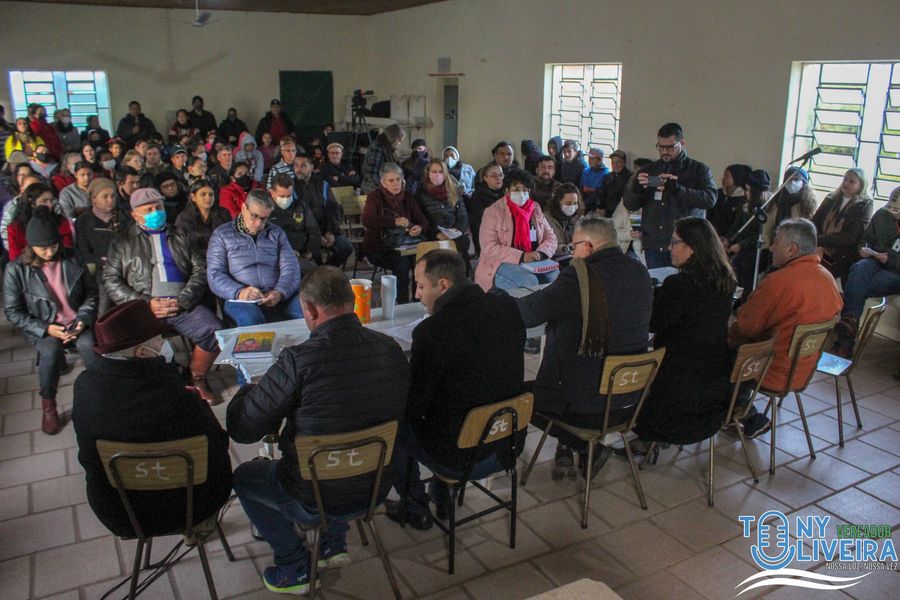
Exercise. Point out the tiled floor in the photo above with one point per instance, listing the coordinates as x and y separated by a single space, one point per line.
51 546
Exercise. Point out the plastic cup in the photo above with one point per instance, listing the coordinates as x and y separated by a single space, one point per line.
362 304
388 296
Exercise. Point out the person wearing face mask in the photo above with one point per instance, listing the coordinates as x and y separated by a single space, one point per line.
38 194
462 172
841 221
73 200
231 128
201 216
488 189
233 195
294 216
51 298
105 165
95 230
246 152
200 119
43 163
414 166
68 134
133 392
37 122
315 193
382 151
564 211
514 231
796 200
159 265
439 198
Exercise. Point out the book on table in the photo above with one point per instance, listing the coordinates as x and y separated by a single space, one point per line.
541 266
254 344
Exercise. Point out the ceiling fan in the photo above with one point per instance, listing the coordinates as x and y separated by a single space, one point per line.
201 19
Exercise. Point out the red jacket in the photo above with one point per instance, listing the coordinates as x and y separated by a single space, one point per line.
61 180
232 197
802 292
17 242
51 139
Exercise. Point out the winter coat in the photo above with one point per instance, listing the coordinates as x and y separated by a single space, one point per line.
17 242
265 126
93 237
379 213
463 172
571 171
319 198
496 236
339 175
178 131
204 122
530 155
199 231
232 198
254 158
31 307
440 214
127 124
371 169
127 272
300 226
43 129
882 235
567 383
231 131
842 248
557 140
690 196
690 394
142 401
69 136
610 193
13 144
468 353
345 377
235 260
722 214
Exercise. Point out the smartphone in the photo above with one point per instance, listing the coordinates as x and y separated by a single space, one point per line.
654 181
70 327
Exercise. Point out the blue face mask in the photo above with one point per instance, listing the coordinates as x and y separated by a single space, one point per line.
155 220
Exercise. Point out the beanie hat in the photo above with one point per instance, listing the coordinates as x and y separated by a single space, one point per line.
145 196
41 230
163 177
758 180
417 142
126 325
739 173
100 184
804 175
619 154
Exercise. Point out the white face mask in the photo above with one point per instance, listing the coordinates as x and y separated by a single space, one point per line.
519 198
794 186
202 156
109 165
451 162
568 209
283 202
165 350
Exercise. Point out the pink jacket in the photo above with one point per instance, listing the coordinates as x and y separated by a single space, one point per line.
496 237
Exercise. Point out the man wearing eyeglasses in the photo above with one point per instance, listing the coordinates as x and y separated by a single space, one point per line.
251 265
673 187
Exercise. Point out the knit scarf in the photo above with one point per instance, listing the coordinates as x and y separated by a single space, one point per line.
239 223
521 216
834 220
438 191
595 333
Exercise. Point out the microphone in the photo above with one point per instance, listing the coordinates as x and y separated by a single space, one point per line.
807 156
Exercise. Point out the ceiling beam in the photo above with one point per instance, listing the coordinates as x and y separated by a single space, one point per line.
322 7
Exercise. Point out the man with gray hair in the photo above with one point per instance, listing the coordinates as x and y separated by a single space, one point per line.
800 291
613 292
344 378
250 265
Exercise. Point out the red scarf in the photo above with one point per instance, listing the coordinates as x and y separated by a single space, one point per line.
521 216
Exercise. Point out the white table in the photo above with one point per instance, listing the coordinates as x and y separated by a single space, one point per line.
291 333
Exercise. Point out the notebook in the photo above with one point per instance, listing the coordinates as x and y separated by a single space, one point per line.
541 266
255 344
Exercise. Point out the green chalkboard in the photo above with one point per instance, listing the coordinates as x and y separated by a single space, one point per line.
308 98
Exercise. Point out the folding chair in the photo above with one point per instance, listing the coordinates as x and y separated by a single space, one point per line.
806 343
341 456
176 464
483 425
625 374
838 367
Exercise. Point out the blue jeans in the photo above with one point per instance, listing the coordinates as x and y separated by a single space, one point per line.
247 313
509 276
656 258
273 512
408 447
868 279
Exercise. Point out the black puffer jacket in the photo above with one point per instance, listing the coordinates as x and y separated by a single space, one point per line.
441 214
610 193
567 383
127 276
343 378
317 195
690 196
191 223
31 307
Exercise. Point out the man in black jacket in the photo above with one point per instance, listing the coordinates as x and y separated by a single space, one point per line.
317 195
134 126
343 378
201 120
133 393
296 219
567 383
276 122
467 354
685 188
231 128
610 193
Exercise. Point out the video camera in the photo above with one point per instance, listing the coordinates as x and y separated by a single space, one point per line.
359 99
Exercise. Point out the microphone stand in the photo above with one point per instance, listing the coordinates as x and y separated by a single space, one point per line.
761 214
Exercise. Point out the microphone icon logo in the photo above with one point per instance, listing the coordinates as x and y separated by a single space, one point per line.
773 548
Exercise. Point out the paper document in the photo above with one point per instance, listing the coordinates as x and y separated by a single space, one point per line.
403 333
451 234
257 301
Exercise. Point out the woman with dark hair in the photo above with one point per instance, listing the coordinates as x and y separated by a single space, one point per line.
565 208
50 296
742 248
841 222
201 215
439 198
488 189
730 198
90 156
531 154
37 194
23 140
690 395
382 151
181 127
196 169
233 195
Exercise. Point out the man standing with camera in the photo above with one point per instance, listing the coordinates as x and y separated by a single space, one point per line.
674 187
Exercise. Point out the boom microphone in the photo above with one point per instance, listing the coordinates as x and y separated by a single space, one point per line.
807 156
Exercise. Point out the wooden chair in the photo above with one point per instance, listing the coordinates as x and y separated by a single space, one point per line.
484 425
807 342
625 374
838 367
425 247
176 464
341 456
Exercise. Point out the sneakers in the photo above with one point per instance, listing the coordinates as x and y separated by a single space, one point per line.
422 522
756 425
276 580
532 346
333 553
601 455
563 464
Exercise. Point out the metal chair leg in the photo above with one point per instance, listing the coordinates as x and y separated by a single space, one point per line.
772 439
514 500
737 427
712 451
451 525
384 559
812 451
853 400
147 553
537 451
634 472
225 545
840 411
206 571
587 483
362 533
136 570
314 564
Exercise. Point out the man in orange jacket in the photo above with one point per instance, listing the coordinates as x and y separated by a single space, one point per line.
799 292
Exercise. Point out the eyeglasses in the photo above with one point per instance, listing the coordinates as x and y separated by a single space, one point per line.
675 242
667 146
570 248
256 217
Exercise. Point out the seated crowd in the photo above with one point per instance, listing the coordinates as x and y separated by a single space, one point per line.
114 242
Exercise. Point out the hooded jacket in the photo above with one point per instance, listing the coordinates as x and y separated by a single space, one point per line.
530 155
571 171
254 158
557 140
463 172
